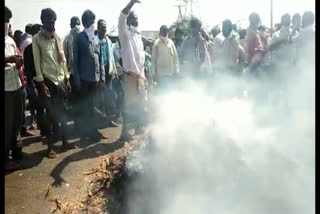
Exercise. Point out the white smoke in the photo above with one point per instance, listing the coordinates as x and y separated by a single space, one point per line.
230 154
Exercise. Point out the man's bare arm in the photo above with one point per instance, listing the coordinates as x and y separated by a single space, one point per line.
127 9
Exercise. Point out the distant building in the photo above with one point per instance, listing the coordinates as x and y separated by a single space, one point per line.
150 34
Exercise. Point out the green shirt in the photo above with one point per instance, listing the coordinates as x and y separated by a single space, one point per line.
45 53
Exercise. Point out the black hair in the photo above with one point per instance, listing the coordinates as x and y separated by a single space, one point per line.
87 16
48 14
28 28
100 21
307 19
227 22
35 29
215 31
74 21
242 33
7 14
164 28
195 22
17 37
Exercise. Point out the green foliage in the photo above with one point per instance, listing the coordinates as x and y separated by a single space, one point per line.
183 24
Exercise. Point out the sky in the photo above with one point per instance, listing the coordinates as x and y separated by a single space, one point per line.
152 13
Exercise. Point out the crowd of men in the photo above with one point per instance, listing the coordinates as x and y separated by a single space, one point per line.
113 80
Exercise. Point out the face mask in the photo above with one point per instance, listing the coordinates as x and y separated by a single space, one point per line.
164 38
77 28
90 32
6 29
133 28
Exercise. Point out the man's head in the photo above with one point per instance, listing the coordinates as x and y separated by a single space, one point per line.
242 33
178 34
88 18
132 19
102 28
35 29
164 31
215 31
7 17
296 20
28 28
307 19
286 20
227 27
17 36
254 20
75 21
48 19
195 27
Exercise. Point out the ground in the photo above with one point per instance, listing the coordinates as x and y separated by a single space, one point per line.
28 191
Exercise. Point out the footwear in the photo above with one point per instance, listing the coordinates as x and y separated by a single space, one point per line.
66 144
11 165
52 154
17 154
27 133
33 125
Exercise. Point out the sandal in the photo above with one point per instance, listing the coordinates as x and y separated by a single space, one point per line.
52 154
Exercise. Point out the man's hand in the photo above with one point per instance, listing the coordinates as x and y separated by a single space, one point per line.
135 1
44 90
13 59
19 62
68 85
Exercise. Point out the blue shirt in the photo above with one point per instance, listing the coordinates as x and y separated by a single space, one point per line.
88 66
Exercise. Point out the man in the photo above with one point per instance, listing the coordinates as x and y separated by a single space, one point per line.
217 44
305 41
165 63
296 24
193 53
26 38
281 48
231 58
36 110
89 76
242 38
13 97
68 42
68 46
52 76
254 45
178 40
105 47
133 58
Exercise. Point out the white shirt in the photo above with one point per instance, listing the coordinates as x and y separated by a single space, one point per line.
132 52
25 43
12 80
230 54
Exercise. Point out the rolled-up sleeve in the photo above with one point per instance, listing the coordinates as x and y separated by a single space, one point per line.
37 59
